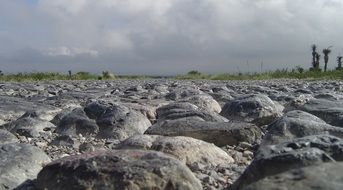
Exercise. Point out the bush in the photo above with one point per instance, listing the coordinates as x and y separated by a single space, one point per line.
106 75
193 72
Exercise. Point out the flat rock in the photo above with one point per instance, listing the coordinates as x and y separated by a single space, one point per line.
186 149
326 176
219 133
255 108
7 137
119 169
178 110
12 108
18 163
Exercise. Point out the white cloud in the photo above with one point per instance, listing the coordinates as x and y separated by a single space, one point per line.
69 51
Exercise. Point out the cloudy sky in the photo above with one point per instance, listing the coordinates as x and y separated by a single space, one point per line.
166 36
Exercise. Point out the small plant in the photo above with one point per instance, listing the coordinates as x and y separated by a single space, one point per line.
299 69
106 75
193 72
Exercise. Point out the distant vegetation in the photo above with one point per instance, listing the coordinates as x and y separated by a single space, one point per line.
314 72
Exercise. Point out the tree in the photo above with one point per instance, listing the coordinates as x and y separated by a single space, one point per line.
314 53
326 53
339 61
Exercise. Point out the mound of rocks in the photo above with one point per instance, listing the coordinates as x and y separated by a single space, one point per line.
169 134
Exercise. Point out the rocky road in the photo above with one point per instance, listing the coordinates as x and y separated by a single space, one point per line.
169 134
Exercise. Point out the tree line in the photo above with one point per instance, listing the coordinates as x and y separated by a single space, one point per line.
316 58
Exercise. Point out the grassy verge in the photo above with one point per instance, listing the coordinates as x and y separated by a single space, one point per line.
192 75
278 74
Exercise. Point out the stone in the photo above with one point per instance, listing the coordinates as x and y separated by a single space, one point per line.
180 110
18 163
7 137
95 109
296 124
181 93
255 108
186 149
205 102
120 122
219 133
119 169
75 123
325 176
29 125
329 111
301 152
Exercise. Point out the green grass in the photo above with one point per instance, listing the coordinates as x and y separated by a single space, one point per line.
192 75
47 76
278 74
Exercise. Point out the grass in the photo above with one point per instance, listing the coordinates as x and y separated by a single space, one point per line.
192 75
278 74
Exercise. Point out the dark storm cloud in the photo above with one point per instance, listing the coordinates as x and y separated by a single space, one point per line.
165 36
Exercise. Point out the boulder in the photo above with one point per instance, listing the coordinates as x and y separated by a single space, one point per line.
29 125
219 133
120 122
178 110
326 176
186 149
301 152
18 163
296 124
205 102
329 111
119 169
75 123
7 137
255 108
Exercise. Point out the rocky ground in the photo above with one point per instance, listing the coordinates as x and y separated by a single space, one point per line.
165 134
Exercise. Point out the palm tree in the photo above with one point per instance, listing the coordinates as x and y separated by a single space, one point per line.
339 61
317 61
326 53
314 48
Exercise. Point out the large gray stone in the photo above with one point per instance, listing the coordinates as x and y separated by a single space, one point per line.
327 176
29 125
219 133
330 111
256 108
75 123
18 163
301 152
186 149
296 124
95 109
204 101
119 169
7 137
120 122
178 110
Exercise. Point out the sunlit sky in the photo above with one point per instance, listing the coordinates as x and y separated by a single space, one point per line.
163 37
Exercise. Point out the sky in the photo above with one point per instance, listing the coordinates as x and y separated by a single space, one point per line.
164 37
